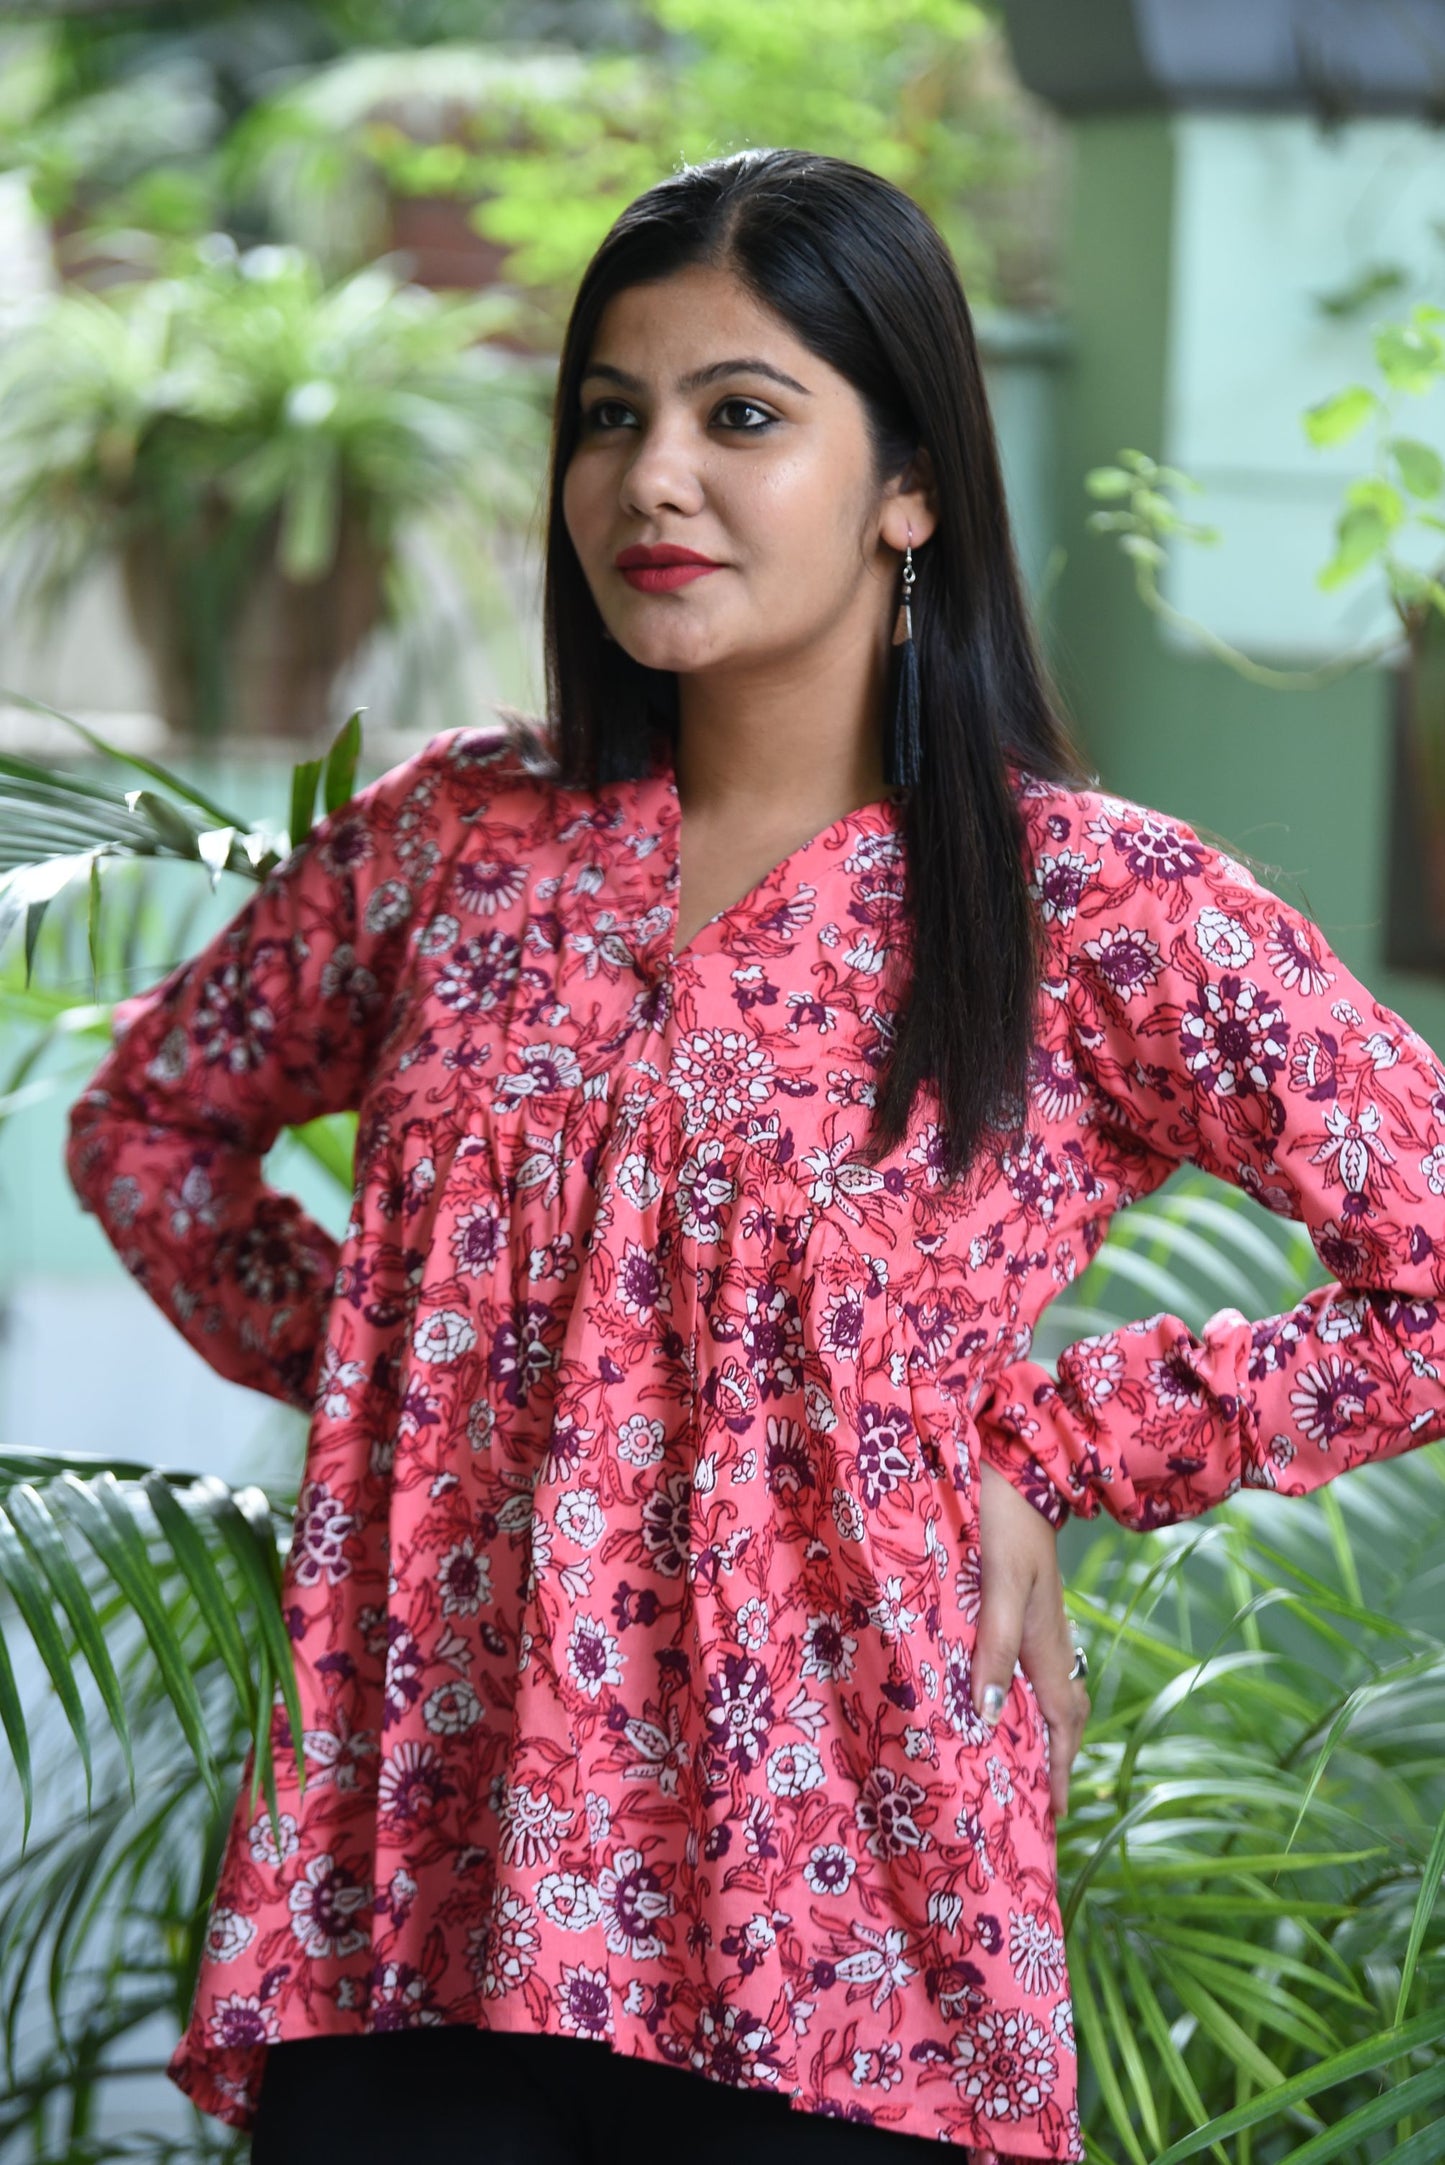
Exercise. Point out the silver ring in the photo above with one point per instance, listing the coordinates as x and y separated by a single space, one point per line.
1081 1664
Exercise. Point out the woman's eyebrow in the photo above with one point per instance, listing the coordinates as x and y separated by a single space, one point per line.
700 376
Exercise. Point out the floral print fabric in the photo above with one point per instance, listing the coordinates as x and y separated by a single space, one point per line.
635 1569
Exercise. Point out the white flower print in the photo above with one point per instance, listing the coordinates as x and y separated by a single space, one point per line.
337 1753
638 1181
443 1336
1095 1368
503 1950
733 2046
240 2020
1036 1953
1292 955
1354 1148
1059 883
881 1961
569 1901
1330 1397
705 1188
319 1540
718 1075
228 1934
546 1069
1005 2064
337 1379
794 1769
847 1515
867 956
886 1813
533 1825
890 1614
828 1649
579 1517
323 1903
968 1585
1126 960
837 1176
830 1869
412 1785
387 906
465 1579
641 1442
599 1818
642 1290
634 1903
479 1239
451 1708
1222 939
661 1753
945 1908
751 1626
261 1838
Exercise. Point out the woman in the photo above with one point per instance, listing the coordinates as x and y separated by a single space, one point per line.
743 1065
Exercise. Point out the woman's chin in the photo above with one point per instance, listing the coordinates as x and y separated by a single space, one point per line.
684 656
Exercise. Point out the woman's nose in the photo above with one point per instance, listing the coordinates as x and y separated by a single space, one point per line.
662 474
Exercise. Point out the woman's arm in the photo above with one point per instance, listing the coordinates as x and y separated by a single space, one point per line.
1216 1027
279 1019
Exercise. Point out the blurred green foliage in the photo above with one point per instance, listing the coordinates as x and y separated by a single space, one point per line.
304 122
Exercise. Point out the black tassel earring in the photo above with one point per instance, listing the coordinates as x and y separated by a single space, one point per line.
904 757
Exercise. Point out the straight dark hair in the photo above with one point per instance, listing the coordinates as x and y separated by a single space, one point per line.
864 279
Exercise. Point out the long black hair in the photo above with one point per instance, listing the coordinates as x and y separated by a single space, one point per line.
864 279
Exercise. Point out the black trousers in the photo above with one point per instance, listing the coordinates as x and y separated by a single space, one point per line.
464 2096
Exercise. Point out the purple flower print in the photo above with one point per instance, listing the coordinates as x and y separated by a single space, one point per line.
634 1904
318 1544
740 1710
887 1813
478 975
1233 1038
324 1903
884 1460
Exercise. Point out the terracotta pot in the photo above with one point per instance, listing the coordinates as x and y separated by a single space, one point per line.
273 667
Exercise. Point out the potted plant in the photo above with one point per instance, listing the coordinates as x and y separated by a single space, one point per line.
254 445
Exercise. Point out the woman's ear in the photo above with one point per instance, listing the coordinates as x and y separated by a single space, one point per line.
911 501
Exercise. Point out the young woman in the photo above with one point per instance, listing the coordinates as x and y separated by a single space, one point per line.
744 1061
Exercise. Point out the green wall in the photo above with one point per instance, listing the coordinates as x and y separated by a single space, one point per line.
1297 781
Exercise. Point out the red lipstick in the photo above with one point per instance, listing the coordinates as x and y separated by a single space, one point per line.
659 570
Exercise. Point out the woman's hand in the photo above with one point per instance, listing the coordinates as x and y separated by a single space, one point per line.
1022 1619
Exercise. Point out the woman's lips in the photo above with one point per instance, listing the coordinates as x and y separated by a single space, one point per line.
662 578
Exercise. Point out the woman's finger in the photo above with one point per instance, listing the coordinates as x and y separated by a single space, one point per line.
1046 1649
1011 1557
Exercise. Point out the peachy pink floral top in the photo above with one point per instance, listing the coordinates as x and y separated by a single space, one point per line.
635 1571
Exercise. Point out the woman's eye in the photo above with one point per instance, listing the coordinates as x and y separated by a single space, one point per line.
743 416
745 405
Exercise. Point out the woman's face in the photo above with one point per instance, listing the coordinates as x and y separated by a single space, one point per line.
707 426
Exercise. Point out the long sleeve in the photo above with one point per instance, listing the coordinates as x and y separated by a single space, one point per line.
1214 1026
278 1020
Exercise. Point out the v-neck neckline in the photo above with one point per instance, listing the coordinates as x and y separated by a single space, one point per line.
877 815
